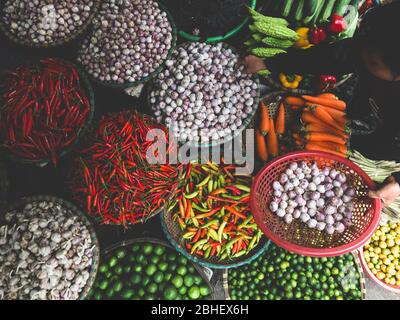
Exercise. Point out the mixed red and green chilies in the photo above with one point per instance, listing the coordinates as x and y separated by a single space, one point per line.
212 210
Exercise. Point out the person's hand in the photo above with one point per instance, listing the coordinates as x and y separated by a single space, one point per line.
253 64
388 193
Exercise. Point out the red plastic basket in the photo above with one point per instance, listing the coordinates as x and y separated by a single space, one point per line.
389 287
297 237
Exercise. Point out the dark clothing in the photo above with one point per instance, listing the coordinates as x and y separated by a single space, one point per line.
375 107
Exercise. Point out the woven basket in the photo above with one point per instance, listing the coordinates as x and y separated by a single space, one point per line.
114 247
225 277
231 33
90 94
96 251
297 237
239 131
60 42
115 85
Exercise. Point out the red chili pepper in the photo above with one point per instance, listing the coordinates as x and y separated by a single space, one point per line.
317 35
326 82
337 24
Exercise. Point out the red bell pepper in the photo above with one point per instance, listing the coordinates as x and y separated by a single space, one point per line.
317 35
337 24
326 82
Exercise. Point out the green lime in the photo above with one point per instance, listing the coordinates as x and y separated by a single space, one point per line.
147 249
127 269
110 293
197 280
113 262
194 293
141 292
163 266
103 268
149 297
182 290
182 270
152 288
118 270
118 286
145 280
204 291
158 277
120 254
135 248
127 294
159 250
135 279
170 293
151 269
138 268
188 280
103 285
171 257
141 258
154 259
177 281
97 296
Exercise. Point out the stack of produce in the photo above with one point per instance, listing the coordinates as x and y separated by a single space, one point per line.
280 274
270 36
46 252
269 132
382 254
324 123
43 22
45 108
148 271
318 197
207 18
379 171
202 95
114 179
213 211
130 40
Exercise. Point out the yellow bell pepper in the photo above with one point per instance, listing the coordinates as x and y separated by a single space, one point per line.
291 82
303 42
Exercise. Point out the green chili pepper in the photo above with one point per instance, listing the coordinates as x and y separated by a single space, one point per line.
197 207
207 253
204 182
231 243
239 254
188 235
221 230
195 222
245 222
210 186
172 206
210 223
243 187
192 195
215 186
213 234
198 245
252 244
221 178
223 256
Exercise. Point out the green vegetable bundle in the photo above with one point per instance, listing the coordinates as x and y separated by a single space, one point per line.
279 274
379 171
148 271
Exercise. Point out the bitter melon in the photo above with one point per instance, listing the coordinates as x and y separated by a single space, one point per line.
277 43
273 20
266 52
275 31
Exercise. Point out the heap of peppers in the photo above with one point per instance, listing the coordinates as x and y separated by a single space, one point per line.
113 179
212 209
44 109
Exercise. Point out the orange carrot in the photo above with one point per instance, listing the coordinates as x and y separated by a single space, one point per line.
295 101
264 123
338 115
327 95
307 117
323 136
272 141
333 146
310 127
315 147
262 149
280 120
324 116
336 104
298 139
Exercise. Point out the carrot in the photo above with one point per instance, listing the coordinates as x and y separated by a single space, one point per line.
323 136
327 95
295 101
264 123
280 120
338 115
315 147
272 141
262 149
333 146
307 117
336 104
310 127
298 139
324 116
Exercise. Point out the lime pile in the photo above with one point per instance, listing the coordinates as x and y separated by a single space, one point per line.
146 271
279 274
